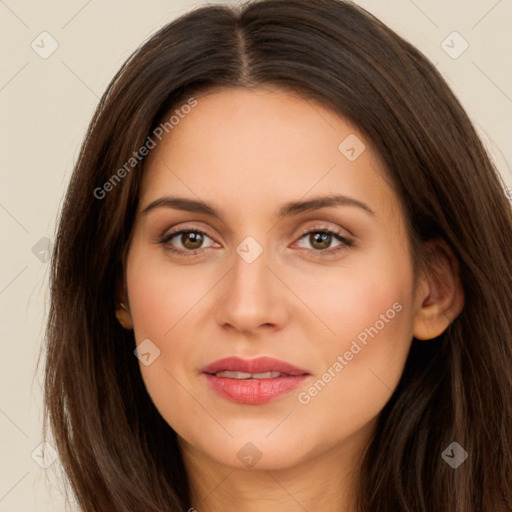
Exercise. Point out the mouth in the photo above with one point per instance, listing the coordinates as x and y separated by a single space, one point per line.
244 375
253 381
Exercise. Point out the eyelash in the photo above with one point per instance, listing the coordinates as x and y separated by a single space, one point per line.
345 242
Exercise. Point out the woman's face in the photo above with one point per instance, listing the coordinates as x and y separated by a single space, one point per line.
282 270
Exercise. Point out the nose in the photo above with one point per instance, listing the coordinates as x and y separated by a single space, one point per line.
252 297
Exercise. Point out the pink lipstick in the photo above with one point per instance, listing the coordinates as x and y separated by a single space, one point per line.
253 381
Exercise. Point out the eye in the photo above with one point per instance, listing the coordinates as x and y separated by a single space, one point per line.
184 241
321 239
189 242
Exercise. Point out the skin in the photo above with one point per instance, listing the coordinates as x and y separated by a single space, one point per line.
247 152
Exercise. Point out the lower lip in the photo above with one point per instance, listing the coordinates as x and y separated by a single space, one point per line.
253 391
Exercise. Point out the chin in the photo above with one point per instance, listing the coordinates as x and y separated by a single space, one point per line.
258 452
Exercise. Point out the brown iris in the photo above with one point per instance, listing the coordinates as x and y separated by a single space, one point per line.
321 238
191 240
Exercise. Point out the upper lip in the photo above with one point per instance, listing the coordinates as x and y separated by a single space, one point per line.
258 365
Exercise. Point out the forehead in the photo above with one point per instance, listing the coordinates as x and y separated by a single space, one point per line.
264 145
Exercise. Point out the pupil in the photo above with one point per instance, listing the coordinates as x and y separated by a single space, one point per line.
324 238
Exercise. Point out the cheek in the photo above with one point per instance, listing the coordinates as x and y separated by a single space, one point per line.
358 302
157 305
161 296
371 314
163 302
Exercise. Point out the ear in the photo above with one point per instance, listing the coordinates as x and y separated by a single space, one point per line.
123 314
439 295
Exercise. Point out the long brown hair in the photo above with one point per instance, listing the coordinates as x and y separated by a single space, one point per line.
117 451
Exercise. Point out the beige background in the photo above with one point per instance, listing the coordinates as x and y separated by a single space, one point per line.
45 106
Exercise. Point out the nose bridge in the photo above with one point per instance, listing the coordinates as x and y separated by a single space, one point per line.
250 274
251 296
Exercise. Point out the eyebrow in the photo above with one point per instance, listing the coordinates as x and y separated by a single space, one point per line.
288 209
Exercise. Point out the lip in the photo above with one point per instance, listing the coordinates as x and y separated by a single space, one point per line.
253 391
258 365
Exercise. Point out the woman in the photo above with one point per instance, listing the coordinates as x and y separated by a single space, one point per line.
285 214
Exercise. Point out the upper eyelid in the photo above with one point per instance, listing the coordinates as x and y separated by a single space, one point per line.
177 230
320 227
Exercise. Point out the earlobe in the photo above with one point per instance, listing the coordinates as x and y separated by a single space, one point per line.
440 296
123 316
122 311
